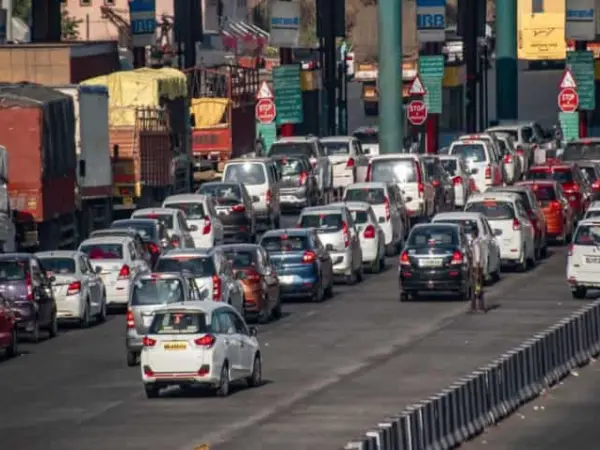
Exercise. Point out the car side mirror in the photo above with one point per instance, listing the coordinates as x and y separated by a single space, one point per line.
193 227
255 199
52 279
98 270
473 171
436 183
253 331
329 247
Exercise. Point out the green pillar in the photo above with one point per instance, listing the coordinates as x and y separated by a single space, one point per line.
391 130
507 70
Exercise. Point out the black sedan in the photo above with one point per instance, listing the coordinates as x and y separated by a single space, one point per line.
436 258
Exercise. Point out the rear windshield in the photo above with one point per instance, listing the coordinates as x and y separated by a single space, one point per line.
166 219
575 151
469 152
512 133
433 236
367 138
590 172
179 322
336 148
394 171
240 259
191 210
283 243
155 291
252 174
290 167
58 266
592 214
146 231
544 193
291 148
560 175
493 210
470 226
373 196
503 147
587 235
325 221
103 251
360 217
198 266
450 166
430 166
13 270
221 191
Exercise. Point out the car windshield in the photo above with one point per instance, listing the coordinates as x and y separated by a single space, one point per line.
587 235
240 259
284 243
251 174
470 226
592 214
590 172
290 166
394 170
156 291
433 236
166 219
544 193
360 216
450 166
469 152
560 175
430 166
512 133
223 194
58 266
145 230
192 210
14 270
324 221
291 148
367 137
199 266
373 196
492 209
103 251
178 322
578 150
336 148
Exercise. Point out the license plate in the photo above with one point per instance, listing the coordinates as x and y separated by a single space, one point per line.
174 346
127 201
287 279
223 212
147 320
288 198
592 259
431 262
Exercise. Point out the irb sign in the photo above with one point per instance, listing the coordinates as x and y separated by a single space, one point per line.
431 20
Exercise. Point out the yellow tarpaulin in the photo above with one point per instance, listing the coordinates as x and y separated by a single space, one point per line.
139 88
209 112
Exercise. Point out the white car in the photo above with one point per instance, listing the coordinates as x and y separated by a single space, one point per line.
583 264
370 234
78 289
593 210
369 139
211 271
119 262
482 162
478 228
460 174
512 166
175 222
390 214
495 146
514 231
348 162
337 232
201 215
199 344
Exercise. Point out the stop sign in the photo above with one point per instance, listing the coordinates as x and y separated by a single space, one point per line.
568 100
417 112
265 110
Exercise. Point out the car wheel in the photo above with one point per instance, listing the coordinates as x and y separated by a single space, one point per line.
13 348
53 328
522 265
263 315
103 310
391 250
255 379
223 387
376 266
277 312
359 273
544 252
329 288
84 322
579 293
404 297
350 279
151 390
319 294
131 359
34 336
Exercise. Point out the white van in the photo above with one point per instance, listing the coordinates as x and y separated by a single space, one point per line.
481 161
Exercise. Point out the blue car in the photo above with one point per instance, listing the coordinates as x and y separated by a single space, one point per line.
303 266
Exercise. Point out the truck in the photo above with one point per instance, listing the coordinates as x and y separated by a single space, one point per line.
37 129
93 194
222 103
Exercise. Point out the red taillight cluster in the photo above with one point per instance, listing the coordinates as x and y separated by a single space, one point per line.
309 257
404 259
516 225
457 180
29 286
74 288
596 185
488 172
238 208
570 250
350 163
253 276
457 258
507 158
148 342
386 204
208 340
303 179
268 196
217 285
556 206
125 272
207 225
153 248
520 151
369 232
130 319
175 241
346 233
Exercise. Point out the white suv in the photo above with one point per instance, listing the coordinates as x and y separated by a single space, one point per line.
583 265
481 160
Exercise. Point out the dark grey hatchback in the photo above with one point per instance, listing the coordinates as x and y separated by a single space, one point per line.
27 288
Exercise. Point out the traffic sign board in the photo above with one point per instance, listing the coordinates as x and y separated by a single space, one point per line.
417 112
568 100
567 80
417 87
265 111
264 91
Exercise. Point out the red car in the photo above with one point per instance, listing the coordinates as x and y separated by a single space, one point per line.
569 175
8 329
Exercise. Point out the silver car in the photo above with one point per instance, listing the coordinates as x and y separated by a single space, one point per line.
149 293
337 231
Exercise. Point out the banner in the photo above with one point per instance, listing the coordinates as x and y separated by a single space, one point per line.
285 24
580 20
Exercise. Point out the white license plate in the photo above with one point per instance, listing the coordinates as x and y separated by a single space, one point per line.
223 212
287 279
288 198
431 262
147 321
592 259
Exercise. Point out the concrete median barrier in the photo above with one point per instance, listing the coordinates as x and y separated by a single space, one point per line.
490 393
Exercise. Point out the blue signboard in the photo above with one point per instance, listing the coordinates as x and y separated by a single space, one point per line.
142 17
431 20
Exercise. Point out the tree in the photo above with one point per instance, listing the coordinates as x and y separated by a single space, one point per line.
69 26
21 9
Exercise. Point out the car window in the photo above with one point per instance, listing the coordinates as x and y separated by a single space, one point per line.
251 174
373 196
450 166
284 243
240 259
178 322
588 235
592 214
165 219
581 150
291 166
561 175
224 322
544 193
156 291
367 137
336 148
59 266
468 225
146 230
526 134
103 251
511 132
292 148
13 270
192 210
238 323
469 152
199 266
432 236
394 170
324 221
492 209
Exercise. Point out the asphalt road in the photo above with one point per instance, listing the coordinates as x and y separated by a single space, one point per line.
332 369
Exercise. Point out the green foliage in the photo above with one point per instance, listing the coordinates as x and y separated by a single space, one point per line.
21 9
69 26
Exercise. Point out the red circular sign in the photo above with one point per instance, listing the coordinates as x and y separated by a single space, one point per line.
265 110
417 112
568 100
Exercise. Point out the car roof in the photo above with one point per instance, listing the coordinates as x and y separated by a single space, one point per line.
186 198
15 255
59 254
450 157
240 247
322 208
189 252
115 232
221 183
352 205
140 220
367 129
552 166
259 159
337 139
162 275
595 205
475 136
481 197
457 215
158 210
470 142
508 126
532 182
513 188
438 224
367 184
288 232
106 240
296 139
393 156
589 221
587 163
205 306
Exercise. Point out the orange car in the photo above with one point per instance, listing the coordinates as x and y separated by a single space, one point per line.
559 214
258 278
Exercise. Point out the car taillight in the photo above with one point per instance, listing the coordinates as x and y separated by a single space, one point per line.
268 197
404 260
148 342
420 185
153 248
29 286
570 187
596 185
556 205
130 319
302 180
238 208
252 276
421 189
369 232
125 272
507 158
516 225
350 163
488 172
457 180
346 233
208 340
175 241
386 204
570 250
309 257
216 280
74 288
520 151
457 258
313 162
369 172
207 225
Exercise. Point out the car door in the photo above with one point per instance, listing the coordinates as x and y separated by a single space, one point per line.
136 261
96 283
360 159
184 230
42 292
87 283
523 217
354 238
396 213
245 343
224 326
492 251
215 221
269 275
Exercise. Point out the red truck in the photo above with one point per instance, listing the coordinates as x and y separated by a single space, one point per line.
222 101
37 128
